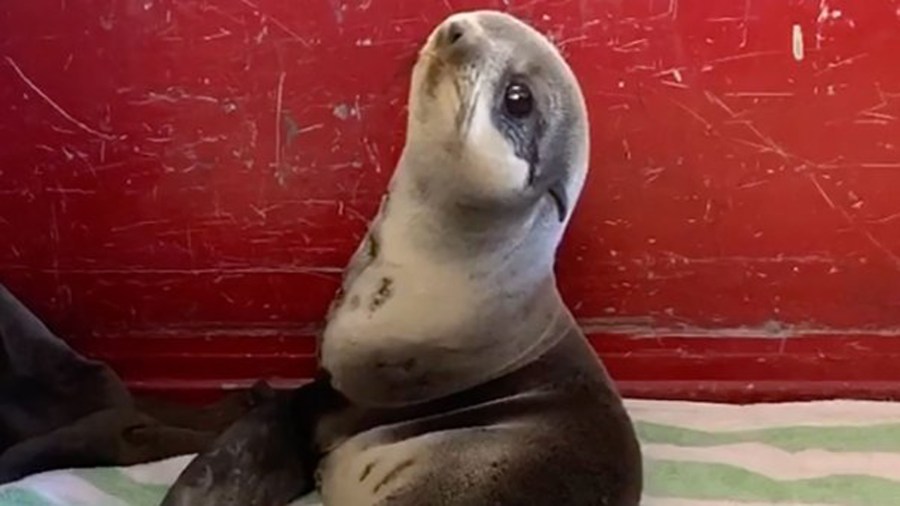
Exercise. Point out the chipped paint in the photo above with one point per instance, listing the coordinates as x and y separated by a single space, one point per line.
797 42
341 111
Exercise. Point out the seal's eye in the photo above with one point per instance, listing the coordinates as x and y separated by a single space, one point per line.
518 100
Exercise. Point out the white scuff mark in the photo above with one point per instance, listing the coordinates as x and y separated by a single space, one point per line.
341 112
827 13
677 75
797 42
364 42
824 11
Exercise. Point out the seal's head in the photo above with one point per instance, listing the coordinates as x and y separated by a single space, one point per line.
504 109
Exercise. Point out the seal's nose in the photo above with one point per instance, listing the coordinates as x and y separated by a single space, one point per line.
454 32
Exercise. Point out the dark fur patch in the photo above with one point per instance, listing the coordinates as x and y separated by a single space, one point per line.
393 474
408 364
384 292
366 471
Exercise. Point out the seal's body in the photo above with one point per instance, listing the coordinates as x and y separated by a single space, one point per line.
550 433
455 374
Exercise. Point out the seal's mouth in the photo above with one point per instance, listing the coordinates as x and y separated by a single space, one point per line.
467 87
467 93
557 192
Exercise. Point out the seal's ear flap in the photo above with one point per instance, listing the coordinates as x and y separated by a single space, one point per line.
557 192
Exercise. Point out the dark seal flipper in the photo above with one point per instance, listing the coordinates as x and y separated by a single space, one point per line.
266 458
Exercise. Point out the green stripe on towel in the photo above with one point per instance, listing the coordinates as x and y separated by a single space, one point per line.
876 438
22 497
114 482
696 480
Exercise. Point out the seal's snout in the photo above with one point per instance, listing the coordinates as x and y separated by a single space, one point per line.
456 36
453 32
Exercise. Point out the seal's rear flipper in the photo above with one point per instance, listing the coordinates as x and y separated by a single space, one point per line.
266 458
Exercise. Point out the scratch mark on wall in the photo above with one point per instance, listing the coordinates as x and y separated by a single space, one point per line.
220 34
759 94
279 96
821 191
69 191
34 87
671 12
173 96
373 156
885 219
895 259
635 46
841 63
737 57
718 101
874 241
138 224
745 25
275 21
692 113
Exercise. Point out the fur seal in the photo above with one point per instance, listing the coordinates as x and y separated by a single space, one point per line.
453 372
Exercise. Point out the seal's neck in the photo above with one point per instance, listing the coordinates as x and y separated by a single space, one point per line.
443 296
423 218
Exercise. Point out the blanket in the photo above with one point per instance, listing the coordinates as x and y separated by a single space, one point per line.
59 409
812 454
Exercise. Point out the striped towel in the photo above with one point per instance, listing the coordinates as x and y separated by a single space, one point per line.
812 454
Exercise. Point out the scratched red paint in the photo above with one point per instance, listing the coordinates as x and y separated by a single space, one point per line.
181 182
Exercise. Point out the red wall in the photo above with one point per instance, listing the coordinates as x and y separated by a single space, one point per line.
181 182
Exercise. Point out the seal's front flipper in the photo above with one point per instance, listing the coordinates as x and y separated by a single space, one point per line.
266 458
